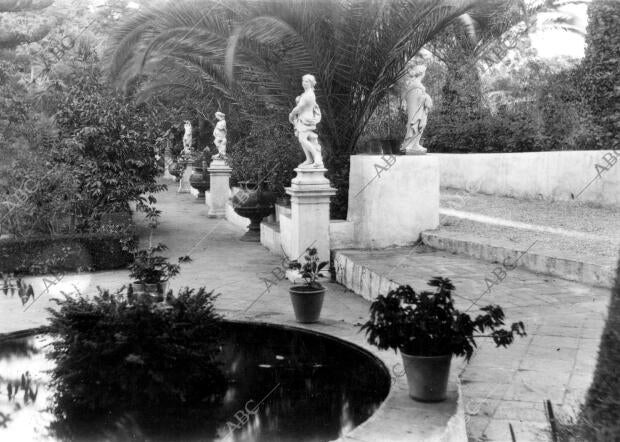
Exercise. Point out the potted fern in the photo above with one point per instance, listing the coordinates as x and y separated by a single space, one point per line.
307 298
150 271
428 330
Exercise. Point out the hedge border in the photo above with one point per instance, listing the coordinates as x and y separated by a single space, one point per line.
85 251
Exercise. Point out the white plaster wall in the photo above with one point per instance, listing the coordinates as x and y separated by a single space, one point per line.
548 175
341 234
392 205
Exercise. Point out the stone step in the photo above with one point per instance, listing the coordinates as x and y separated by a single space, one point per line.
537 252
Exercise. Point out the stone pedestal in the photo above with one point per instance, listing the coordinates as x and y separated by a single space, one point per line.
310 192
219 175
167 162
392 199
184 186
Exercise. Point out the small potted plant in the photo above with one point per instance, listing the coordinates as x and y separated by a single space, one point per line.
150 272
307 298
428 330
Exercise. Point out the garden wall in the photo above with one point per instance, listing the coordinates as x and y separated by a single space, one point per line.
549 175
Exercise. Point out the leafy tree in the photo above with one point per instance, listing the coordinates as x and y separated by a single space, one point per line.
483 37
244 48
601 66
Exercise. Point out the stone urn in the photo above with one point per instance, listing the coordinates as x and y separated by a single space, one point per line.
199 179
185 165
254 202
176 170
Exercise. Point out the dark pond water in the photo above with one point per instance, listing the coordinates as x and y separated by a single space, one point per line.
285 385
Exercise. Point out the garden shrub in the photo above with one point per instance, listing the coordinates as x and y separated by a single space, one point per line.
118 353
100 159
556 120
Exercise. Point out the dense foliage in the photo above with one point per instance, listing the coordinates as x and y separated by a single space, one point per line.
95 158
535 106
119 352
601 68
428 324
356 50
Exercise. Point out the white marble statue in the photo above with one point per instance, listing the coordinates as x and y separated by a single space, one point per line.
304 118
219 136
187 138
417 103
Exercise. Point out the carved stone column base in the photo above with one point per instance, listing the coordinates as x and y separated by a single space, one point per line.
184 186
310 193
219 194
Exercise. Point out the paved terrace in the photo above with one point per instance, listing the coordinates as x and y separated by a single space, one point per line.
233 268
563 319
556 360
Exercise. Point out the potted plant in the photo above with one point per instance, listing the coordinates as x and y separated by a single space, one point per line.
150 272
307 298
428 330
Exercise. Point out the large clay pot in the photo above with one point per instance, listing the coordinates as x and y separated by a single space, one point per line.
255 203
199 179
307 302
427 376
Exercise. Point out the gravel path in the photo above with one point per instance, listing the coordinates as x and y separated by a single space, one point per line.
576 216
573 215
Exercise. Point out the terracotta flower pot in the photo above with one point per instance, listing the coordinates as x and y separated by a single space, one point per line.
427 376
307 302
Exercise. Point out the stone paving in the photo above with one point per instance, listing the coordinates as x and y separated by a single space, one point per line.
242 272
563 319
555 361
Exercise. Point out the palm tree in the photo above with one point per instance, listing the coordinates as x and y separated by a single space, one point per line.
241 49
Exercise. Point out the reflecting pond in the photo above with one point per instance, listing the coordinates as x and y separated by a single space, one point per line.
284 385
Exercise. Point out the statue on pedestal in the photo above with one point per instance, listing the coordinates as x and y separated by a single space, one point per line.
219 136
417 103
187 138
304 118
